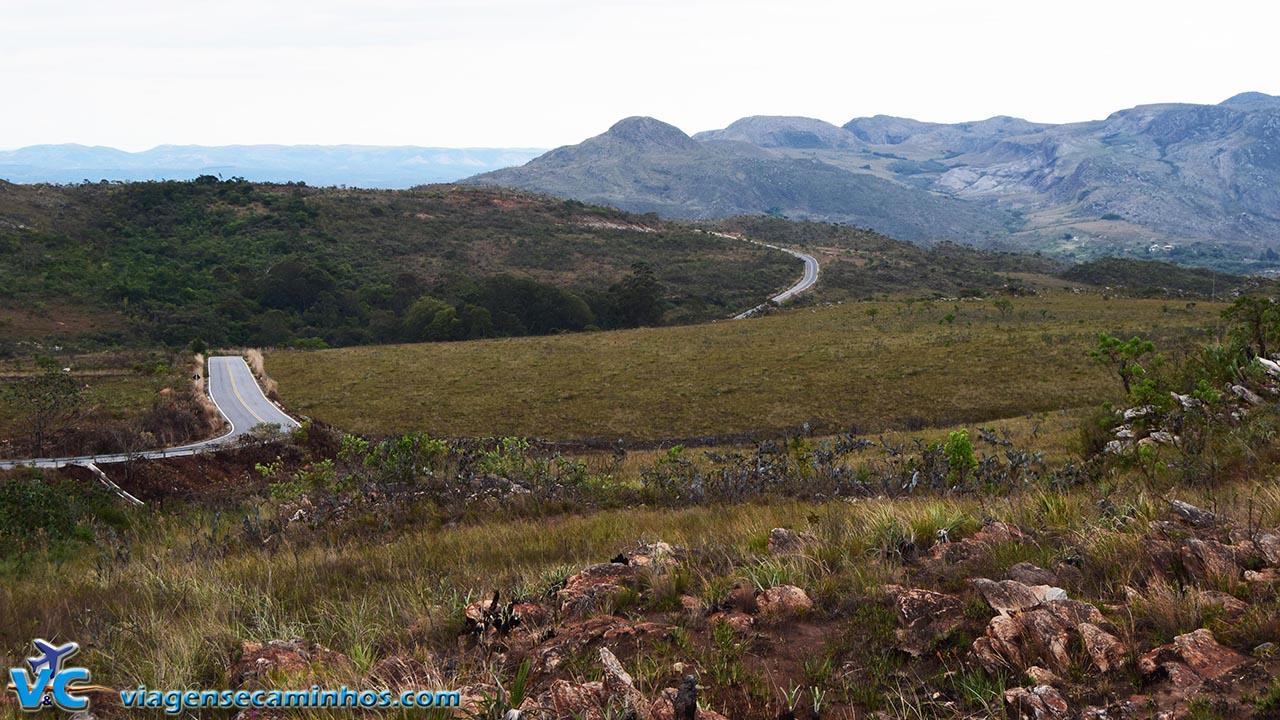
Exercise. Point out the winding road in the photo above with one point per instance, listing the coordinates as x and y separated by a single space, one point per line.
232 388
808 280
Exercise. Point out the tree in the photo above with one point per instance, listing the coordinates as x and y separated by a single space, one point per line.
45 400
1256 320
637 298
1004 305
1122 356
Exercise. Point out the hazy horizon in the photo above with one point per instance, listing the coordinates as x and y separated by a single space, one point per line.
502 73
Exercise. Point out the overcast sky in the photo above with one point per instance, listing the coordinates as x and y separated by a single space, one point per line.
137 73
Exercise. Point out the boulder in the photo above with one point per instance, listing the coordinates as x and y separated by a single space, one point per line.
1190 659
1193 515
1232 606
1029 574
1207 560
1041 702
1202 652
924 617
663 707
782 601
1007 596
783 541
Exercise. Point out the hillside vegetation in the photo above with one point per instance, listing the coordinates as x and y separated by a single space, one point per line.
233 263
869 366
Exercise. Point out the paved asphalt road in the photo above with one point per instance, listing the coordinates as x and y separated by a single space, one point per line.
808 280
237 396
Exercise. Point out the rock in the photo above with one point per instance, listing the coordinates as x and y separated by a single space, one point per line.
573 639
1269 546
1207 560
782 601
1028 574
586 593
663 707
739 621
1265 576
1041 702
1042 676
1161 437
783 541
976 545
1232 606
294 658
619 687
924 617
1201 651
1105 649
1139 412
1245 394
1009 596
568 699
1193 515
656 555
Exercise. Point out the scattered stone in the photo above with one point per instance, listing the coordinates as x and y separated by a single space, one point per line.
1264 576
783 601
739 621
924 617
783 541
1041 702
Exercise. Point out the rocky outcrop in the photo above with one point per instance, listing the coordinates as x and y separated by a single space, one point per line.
924 617
1036 625
292 658
1041 702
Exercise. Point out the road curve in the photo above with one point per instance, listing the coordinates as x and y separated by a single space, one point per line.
808 280
231 387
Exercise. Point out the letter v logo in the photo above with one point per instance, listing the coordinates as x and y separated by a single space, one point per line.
30 693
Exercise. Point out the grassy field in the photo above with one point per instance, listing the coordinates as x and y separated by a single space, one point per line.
863 366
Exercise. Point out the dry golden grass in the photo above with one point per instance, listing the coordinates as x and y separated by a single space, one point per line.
836 368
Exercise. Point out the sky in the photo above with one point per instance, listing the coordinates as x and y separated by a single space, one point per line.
134 74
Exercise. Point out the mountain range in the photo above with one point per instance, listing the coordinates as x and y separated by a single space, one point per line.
1194 184
353 165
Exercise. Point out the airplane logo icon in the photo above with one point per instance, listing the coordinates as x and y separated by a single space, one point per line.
53 657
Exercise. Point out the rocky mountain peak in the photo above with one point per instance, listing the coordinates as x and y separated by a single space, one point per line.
646 132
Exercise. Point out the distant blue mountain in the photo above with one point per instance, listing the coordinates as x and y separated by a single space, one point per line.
367 166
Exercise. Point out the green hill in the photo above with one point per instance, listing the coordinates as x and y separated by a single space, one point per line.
233 262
